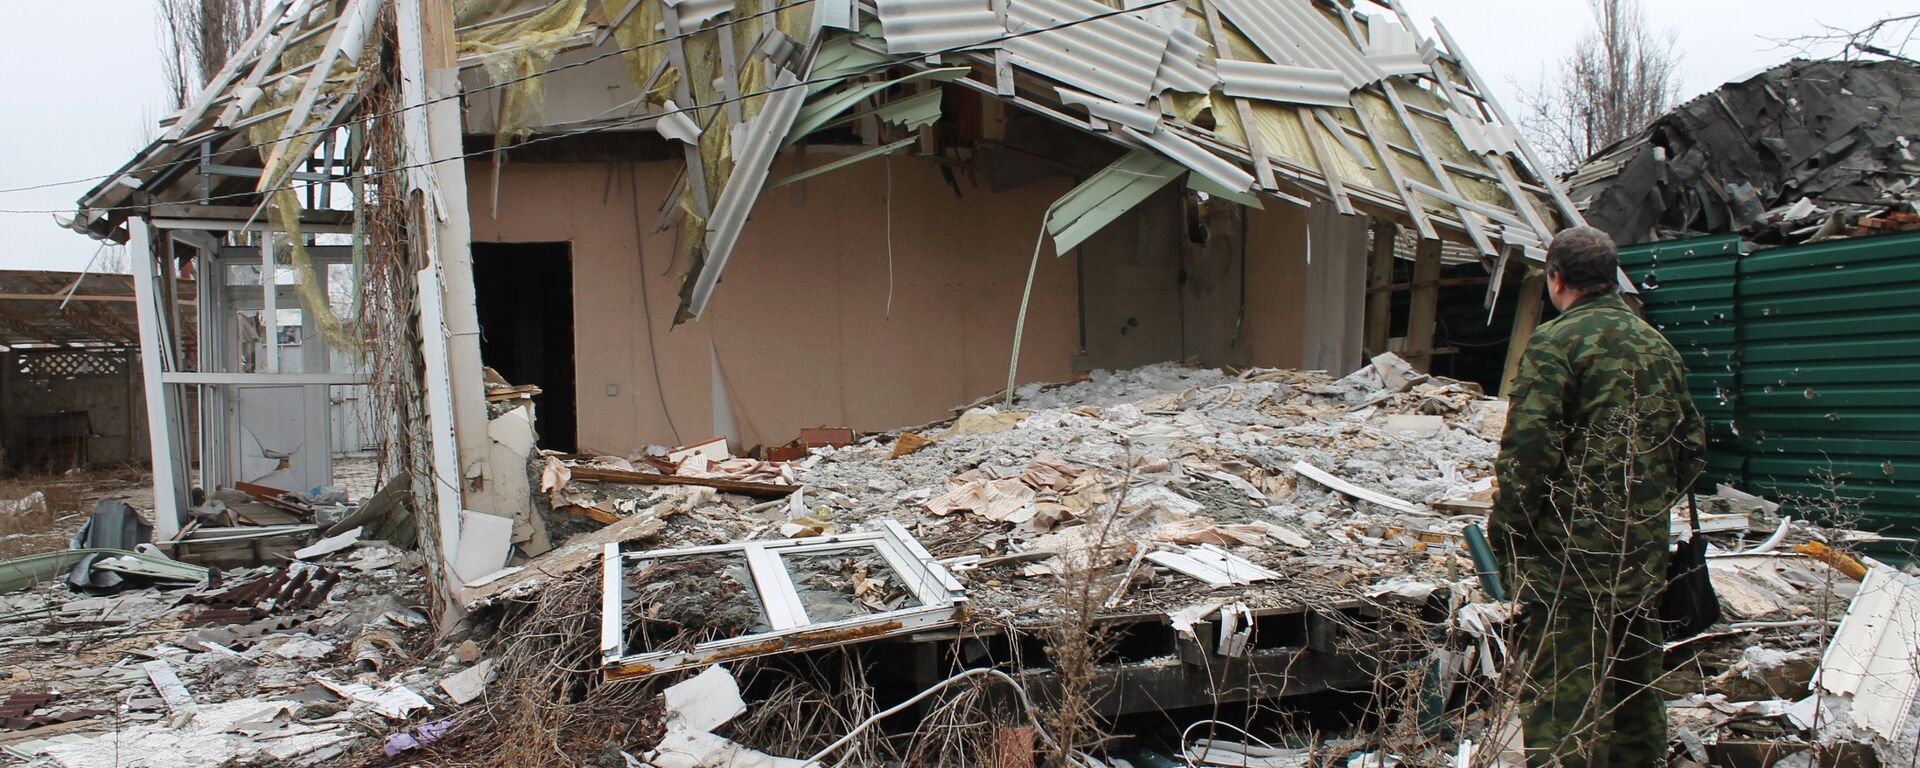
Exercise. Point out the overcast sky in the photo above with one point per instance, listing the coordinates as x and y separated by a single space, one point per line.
80 81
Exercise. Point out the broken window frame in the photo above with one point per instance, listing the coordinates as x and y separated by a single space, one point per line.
938 600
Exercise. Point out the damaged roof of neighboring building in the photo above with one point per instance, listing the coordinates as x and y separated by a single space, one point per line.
1804 150
64 309
1348 106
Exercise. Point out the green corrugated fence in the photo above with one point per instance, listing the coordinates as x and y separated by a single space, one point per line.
1806 362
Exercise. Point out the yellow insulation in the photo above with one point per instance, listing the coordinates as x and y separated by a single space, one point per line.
513 53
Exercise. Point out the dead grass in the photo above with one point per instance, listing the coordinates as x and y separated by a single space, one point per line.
40 529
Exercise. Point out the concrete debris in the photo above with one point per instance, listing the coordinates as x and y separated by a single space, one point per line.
1246 518
32 504
469 683
695 707
391 700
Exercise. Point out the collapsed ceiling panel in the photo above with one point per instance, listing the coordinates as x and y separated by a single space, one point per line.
1316 99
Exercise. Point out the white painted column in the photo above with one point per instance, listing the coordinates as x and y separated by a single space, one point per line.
169 492
447 492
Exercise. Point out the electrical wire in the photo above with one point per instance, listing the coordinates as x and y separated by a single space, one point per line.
596 58
429 102
880 66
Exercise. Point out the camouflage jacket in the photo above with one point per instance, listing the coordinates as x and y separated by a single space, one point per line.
1601 438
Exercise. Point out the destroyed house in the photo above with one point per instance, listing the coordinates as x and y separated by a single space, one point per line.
547 235
813 379
899 196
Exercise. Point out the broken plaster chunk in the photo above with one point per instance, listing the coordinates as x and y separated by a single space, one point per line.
513 429
1397 375
986 420
468 684
1415 424
485 542
707 700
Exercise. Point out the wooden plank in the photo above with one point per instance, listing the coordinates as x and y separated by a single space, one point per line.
1445 282
1533 293
1368 495
1256 143
172 691
1424 309
1335 186
1569 213
1379 301
1467 220
743 487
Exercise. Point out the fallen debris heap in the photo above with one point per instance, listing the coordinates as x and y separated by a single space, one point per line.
1257 568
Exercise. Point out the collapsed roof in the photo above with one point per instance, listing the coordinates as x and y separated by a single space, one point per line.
1774 157
71 309
1351 107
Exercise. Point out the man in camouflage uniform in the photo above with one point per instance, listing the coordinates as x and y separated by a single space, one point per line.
1601 439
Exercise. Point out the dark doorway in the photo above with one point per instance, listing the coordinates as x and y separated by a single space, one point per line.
524 292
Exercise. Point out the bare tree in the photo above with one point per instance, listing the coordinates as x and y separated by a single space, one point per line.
1617 79
197 37
1889 37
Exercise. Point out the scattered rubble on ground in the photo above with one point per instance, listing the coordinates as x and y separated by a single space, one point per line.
1199 503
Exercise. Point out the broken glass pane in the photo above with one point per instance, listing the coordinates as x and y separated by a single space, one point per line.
678 603
844 584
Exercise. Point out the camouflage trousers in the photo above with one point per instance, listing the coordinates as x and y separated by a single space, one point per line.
1587 700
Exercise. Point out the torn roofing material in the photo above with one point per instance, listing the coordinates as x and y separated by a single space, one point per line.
1772 157
1296 90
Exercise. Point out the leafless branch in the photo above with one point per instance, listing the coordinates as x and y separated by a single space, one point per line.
1617 79
1888 37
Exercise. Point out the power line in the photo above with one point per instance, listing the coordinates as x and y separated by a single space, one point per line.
463 93
879 66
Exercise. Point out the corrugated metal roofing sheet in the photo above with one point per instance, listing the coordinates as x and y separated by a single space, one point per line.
1830 373
1394 50
1292 32
1105 196
1691 302
1222 171
754 144
1283 82
1117 57
925 26
1125 114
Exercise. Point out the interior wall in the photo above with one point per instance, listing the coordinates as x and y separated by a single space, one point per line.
1130 287
1336 291
877 296
822 317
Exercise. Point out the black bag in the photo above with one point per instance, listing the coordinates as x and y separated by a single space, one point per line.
1689 606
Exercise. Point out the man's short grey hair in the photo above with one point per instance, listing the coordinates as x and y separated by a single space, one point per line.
1585 259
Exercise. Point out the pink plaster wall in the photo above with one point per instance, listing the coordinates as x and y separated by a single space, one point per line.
1276 285
800 322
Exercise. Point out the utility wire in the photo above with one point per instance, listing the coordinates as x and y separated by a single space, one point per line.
463 93
880 66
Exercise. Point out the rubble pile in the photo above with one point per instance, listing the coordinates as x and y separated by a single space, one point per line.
1156 458
294 664
1197 501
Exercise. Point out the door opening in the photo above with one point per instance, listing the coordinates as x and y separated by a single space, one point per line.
524 294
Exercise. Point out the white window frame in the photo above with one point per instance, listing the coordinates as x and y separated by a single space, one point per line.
938 600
